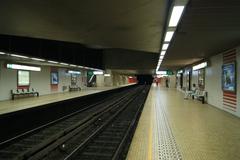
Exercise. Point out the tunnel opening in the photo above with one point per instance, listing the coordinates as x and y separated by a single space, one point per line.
145 79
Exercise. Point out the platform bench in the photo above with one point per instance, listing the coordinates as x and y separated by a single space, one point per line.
23 92
74 88
200 95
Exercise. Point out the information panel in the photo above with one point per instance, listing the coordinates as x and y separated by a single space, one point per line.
23 78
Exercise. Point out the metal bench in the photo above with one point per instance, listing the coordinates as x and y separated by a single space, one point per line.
201 95
74 88
23 92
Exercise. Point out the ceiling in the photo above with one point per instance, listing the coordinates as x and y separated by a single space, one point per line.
129 32
135 24
207 28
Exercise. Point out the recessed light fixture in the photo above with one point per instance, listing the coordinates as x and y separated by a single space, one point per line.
107 75
162 72
165 46
168 36
65 64
38 59
200 66
18 56
98 72
23 67
53 62
176 15
163 53
74 72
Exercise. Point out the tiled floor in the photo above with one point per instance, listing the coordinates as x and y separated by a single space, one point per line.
29 102
174 128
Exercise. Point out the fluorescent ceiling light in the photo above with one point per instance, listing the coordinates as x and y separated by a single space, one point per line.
165 46
176 15
65 64
38 59
53 62
19 56
2 53
161 57
74 72
73 65
163 53
80 66
180 71
168 36
200 66
107 75
23 67
162 72
98 72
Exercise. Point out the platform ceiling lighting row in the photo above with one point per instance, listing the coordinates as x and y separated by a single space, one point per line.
173 22
74 72
199 66
49 61
23 67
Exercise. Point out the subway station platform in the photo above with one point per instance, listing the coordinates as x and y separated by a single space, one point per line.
171 128
30 102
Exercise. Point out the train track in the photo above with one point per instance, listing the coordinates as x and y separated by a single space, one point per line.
67 136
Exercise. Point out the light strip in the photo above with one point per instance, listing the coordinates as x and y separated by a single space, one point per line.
65 64
2 53
162 72
163 53
168 36
74 72
73 65
176 15
200 66
19 56
23 67
53 62
165 46
107 75
38 59
97 72
161 57
180 71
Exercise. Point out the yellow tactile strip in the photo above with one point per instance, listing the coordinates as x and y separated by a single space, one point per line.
167 146
153 138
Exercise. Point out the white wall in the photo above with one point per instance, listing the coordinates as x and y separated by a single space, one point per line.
213 81
8 81
39 80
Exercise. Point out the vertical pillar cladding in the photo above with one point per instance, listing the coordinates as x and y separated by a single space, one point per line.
229 80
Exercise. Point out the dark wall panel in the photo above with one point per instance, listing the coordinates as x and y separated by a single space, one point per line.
67 52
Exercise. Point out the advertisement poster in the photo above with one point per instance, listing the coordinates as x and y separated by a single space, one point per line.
54 78
229 77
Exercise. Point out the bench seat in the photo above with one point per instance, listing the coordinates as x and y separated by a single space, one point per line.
23 92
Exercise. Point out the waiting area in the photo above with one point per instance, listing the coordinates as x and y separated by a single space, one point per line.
173 128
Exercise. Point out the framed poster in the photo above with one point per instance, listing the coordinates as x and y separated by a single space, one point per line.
229 77
23 78
54 78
